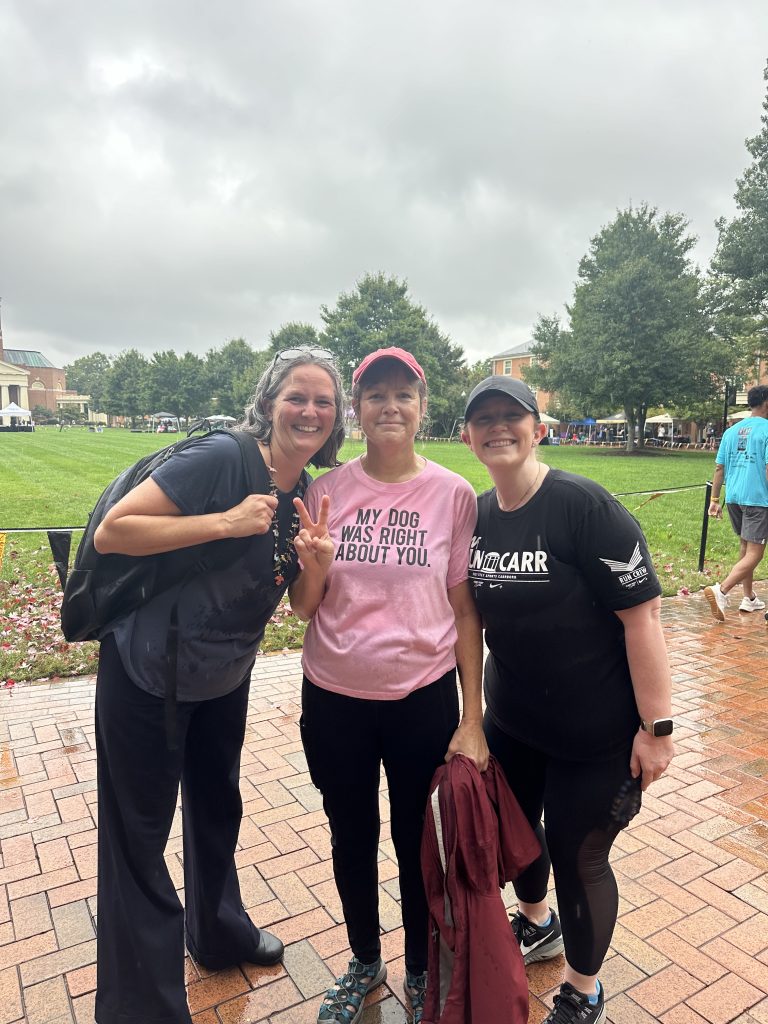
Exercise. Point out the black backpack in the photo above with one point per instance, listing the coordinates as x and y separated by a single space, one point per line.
102 588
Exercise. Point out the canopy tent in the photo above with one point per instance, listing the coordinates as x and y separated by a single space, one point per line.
169 421
618 417
211 423
547 419
741 415
661 418
15 410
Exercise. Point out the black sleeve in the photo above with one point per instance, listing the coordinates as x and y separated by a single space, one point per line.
205 477
613 555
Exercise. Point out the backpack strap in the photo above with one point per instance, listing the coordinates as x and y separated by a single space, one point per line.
248 446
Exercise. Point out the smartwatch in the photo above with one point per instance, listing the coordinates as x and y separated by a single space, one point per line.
658 727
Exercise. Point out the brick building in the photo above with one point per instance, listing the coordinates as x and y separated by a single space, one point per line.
512 363
29 378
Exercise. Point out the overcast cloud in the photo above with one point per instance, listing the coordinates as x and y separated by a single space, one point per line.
176 173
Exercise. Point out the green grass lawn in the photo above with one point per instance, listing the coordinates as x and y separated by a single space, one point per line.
52 478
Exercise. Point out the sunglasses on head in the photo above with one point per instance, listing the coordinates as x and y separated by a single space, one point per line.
296 353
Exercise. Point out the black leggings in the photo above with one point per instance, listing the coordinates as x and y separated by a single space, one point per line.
585 806
346 741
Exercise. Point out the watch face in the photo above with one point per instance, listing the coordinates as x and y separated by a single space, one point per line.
662 727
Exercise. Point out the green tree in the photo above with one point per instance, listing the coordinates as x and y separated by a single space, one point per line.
125 391
741 257
738 288
378 314
88 376
163 383
70 412
232 372
639 333
193 386
293 335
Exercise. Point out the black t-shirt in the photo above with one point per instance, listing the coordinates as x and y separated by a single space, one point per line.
547 579
222 612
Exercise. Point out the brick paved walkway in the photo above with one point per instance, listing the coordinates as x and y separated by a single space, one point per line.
692 941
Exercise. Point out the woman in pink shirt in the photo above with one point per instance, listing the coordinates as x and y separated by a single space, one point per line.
384 551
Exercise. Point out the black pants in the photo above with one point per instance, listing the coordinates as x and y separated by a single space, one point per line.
585 806
141 923
346 741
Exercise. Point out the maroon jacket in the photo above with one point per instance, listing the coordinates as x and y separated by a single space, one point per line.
475 839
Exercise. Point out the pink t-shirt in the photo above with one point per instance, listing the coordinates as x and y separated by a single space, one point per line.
385 626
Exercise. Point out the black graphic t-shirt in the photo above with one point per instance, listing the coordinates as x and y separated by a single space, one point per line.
547 580
223 611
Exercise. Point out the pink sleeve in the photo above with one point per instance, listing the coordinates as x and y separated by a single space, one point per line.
463 529
313 497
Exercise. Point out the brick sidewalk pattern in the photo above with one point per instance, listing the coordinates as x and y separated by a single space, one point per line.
691 945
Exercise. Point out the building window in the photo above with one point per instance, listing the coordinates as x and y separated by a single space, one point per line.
507 367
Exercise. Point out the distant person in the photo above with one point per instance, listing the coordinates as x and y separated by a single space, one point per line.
742 463
710 435
661 434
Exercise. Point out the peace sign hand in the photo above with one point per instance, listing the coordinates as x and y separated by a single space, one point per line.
313 541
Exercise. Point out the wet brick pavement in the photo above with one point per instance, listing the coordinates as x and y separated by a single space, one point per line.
691 945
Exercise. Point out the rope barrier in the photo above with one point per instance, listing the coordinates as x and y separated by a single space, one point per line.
40 529
616 494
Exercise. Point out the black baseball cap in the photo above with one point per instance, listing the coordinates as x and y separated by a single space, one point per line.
509 386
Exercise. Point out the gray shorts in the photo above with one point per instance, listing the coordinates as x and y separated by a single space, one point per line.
750 522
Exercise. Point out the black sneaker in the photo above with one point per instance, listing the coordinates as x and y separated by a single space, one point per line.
572 1007
537 942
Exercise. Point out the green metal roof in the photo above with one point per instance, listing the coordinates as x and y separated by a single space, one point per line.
20 357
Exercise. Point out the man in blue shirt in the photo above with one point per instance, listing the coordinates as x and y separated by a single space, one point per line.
742 462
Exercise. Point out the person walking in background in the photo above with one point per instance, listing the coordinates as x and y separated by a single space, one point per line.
384 587
200 495
577 682
742 464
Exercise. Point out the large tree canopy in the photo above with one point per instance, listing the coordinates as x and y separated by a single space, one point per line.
638 334
233 372
740 263
293 335
378 314
126 386
88 376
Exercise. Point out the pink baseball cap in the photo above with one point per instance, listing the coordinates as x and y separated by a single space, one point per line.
389 353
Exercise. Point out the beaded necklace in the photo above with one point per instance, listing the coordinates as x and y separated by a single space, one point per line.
281 553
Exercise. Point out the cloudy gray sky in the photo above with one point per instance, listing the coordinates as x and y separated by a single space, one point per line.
174 173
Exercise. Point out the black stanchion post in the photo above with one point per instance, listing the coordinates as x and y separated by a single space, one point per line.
705 525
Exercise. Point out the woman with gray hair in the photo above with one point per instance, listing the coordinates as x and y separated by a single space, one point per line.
200 497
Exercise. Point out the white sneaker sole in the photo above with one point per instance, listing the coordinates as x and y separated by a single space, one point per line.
717 611
547 951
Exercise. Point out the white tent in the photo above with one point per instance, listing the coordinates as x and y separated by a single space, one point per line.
661 418
15 410
167 420
740 415
547 419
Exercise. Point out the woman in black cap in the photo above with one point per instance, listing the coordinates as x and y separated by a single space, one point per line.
577 682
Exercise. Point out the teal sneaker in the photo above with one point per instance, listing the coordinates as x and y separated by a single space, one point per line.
343 1004
415 992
